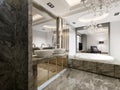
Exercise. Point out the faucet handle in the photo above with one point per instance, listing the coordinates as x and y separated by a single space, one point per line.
48 45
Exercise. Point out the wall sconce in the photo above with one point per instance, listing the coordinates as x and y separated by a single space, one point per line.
101 42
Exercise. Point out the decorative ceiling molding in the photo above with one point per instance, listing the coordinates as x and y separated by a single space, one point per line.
45 21
41 8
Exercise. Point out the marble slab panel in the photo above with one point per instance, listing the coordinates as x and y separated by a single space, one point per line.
89 66
117 71
14 45
105 69
76 64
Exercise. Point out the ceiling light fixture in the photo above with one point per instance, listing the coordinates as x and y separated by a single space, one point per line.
49 27
73 2
99 10
50 5
96 6
36 17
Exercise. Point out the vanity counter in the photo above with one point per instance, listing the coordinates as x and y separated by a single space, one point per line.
36 60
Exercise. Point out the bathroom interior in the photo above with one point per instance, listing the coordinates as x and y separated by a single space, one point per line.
45 45
62 43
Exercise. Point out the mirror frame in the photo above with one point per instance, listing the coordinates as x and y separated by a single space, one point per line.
107 24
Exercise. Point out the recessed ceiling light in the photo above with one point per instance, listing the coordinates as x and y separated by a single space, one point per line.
36 17
73 2
50 5
49 27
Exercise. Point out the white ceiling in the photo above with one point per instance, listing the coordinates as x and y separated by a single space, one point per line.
45 16
40 27
110 18
60 6
72 14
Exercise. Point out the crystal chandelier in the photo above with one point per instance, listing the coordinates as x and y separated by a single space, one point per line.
93 27
99 9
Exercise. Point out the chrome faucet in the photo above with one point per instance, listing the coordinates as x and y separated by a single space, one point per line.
33 45
42 45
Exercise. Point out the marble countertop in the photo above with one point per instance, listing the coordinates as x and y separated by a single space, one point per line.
36 60
115 62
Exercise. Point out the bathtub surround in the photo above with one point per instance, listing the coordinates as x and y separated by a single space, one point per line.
14 41
107 69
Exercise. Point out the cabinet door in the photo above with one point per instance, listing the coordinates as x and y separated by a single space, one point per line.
61 63
52 67
42 72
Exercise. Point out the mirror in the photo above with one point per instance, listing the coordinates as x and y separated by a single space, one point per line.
93 39
44 27
46 31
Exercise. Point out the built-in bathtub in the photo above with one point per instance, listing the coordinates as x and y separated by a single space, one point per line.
96 63
104 58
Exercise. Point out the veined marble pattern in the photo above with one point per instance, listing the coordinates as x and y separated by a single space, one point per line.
96 67
14 45
80 80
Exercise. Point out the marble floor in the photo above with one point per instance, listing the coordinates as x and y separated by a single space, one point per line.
80 80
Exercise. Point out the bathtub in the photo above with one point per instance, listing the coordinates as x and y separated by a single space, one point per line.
96 63
94 57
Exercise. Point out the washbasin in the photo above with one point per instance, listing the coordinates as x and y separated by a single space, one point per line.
48 47
44 53
59 51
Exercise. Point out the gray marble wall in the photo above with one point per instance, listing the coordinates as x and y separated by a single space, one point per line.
14 42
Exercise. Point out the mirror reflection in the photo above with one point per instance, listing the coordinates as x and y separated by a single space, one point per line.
49 44
93 39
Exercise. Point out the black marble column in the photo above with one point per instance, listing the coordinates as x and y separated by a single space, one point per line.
14 45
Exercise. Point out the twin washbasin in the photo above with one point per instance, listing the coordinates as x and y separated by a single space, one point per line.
49 52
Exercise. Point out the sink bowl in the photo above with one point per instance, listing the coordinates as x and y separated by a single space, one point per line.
59 51
44 53
48 48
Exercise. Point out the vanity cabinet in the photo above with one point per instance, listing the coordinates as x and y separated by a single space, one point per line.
49 67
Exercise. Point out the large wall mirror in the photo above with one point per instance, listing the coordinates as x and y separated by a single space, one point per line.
48 32
93 39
